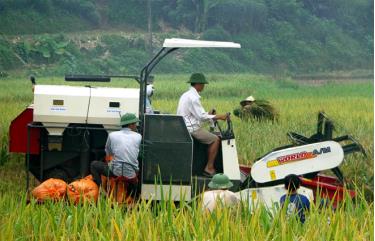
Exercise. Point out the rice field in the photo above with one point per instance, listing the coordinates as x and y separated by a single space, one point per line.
349 104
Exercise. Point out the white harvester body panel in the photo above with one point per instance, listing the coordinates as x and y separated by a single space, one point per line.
230 159
166 192
269 196
298 160
108 104
60 105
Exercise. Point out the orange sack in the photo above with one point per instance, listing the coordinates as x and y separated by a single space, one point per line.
84 189
51 189
117 189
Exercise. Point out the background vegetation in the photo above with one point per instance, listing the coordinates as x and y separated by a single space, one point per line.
277 37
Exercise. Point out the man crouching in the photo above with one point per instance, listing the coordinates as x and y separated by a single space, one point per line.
123 148
219 193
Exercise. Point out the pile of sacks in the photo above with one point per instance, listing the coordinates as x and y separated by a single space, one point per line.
81 190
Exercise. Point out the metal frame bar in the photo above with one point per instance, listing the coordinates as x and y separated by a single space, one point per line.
27 159
145 73
97 78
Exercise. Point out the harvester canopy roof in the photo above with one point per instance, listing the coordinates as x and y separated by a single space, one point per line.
190 43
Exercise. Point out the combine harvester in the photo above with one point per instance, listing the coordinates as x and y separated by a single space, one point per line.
67 127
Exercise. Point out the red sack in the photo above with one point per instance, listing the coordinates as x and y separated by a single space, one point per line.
51 189
84 189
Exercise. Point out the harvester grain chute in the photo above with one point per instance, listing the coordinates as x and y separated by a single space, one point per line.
67 126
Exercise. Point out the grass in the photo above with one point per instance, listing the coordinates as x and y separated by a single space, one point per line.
350 104
165 221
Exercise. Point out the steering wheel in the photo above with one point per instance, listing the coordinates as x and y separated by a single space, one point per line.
228 132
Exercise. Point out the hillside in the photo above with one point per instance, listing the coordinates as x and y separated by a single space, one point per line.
110 36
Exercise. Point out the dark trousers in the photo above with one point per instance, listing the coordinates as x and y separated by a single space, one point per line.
99 168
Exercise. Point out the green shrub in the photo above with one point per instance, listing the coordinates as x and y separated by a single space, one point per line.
216 33
7 58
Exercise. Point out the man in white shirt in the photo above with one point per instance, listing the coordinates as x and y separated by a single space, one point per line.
191 109
122 148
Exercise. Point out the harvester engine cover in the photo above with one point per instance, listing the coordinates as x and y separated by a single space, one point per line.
60 105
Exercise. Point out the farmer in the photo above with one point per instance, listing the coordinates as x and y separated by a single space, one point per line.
296 203
122 148
251 109
248 101
191 109
149 92
244 111
219 194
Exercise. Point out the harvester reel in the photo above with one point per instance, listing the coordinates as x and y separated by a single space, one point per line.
325 128
298 139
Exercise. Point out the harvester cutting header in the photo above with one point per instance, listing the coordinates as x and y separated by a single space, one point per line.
66 129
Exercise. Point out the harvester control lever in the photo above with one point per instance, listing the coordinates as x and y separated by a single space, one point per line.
214 122
225 134
228 133
32 79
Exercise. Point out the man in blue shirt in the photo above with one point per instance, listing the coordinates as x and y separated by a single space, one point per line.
123 149
296 203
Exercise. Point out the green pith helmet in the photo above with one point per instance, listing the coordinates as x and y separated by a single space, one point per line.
197 78
128 118
220 181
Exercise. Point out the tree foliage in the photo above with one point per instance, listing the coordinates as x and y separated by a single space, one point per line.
288 35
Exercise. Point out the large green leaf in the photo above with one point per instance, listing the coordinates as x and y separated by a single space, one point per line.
59 51
45 52
61 45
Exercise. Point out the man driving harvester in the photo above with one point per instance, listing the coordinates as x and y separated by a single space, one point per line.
191 109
